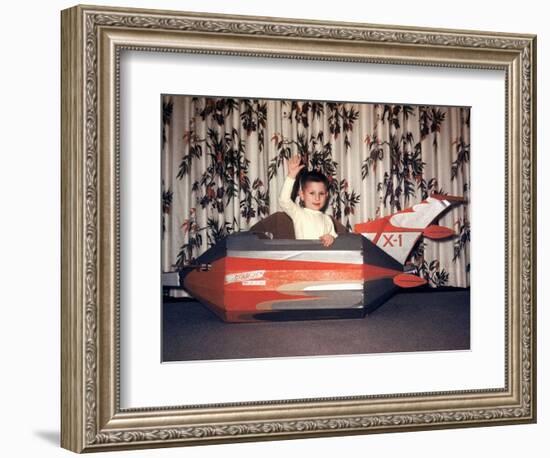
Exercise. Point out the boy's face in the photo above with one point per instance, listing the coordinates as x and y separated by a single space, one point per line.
314 195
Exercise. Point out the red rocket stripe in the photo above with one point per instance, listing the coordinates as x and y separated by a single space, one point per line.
383 224
290 270
210 286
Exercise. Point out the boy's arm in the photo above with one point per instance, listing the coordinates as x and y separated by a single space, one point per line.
329 226
285 202
294 166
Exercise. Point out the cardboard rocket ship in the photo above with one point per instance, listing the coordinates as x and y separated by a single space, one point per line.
250 276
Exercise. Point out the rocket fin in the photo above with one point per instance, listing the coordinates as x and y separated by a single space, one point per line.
397 234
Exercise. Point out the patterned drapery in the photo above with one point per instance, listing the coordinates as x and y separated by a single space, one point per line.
223 168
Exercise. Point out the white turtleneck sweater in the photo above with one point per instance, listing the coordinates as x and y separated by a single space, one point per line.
308 224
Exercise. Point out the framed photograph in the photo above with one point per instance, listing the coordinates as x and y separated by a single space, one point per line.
278 228
384 173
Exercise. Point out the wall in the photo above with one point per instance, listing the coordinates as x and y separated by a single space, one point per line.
29 181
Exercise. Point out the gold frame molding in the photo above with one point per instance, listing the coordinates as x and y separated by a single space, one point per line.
92 40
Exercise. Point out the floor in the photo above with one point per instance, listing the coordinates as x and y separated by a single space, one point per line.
417 321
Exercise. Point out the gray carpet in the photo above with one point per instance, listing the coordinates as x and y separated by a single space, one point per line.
418 321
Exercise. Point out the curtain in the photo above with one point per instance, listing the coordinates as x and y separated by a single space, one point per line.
223 168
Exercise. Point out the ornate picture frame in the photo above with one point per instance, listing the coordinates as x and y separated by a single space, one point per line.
93 39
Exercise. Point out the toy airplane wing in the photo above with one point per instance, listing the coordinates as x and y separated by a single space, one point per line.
397 234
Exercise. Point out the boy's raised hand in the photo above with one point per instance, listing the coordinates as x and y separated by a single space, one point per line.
294 166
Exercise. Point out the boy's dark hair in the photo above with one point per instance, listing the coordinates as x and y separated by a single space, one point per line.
308 176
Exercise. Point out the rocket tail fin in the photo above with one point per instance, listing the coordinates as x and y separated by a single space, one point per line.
397 234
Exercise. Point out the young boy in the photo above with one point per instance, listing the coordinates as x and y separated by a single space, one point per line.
309 222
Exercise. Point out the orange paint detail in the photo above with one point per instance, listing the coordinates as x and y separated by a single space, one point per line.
376 226
449 198
211 288
408 281
436 232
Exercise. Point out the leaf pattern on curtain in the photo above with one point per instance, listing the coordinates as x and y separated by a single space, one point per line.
224 165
